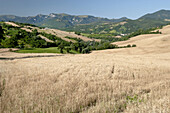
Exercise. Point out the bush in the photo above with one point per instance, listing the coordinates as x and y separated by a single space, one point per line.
128 45
134 45
78 33
10 50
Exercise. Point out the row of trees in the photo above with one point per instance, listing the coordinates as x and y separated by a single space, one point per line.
86 47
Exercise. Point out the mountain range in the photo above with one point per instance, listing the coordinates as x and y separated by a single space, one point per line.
148 21
58 21
91 24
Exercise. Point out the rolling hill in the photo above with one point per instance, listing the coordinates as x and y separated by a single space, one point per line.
31 37
148 43
128 80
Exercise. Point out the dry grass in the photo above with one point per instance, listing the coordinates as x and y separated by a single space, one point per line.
13 24
123 80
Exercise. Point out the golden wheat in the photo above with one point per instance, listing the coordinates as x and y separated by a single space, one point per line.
122 80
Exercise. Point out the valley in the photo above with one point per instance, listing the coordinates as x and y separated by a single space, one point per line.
126 80
61 63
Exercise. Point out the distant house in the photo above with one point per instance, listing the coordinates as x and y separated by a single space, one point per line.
123 34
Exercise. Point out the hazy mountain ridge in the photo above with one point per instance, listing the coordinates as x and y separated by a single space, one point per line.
91 24
147 21
159 15
58 20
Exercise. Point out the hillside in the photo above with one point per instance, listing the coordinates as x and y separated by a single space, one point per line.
147 21
31 39
129 80
150 40
56 32
159 15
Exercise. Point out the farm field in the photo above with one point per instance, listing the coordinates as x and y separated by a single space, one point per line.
129 80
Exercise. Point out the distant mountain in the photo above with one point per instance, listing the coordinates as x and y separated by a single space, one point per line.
94 25
58 21
147 21
159 15
120 19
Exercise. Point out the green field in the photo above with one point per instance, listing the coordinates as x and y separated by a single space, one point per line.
44 50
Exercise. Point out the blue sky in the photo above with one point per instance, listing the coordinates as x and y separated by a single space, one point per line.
101 8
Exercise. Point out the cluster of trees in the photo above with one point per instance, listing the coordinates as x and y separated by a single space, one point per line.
1 35
16 37
78 33
128 46
85 47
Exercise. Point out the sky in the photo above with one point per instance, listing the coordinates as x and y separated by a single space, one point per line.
132 9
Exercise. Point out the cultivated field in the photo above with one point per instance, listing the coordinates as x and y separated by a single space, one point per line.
130 80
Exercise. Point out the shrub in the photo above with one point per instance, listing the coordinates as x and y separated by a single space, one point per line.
10 50
78 33
134 45
128 45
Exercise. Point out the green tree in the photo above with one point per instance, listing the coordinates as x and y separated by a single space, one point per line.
9 42
68 49
134 45
21 44
78 33
1 34
86 50
128 45
61 47
35 32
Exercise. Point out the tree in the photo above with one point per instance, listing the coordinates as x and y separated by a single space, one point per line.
61 47
1 34
21 44
128 45
134 45
9 42
68 49
78 33
86 50
35 32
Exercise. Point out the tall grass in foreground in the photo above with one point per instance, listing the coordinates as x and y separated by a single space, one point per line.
85 83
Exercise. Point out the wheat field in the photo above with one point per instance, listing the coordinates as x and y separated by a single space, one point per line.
129 80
